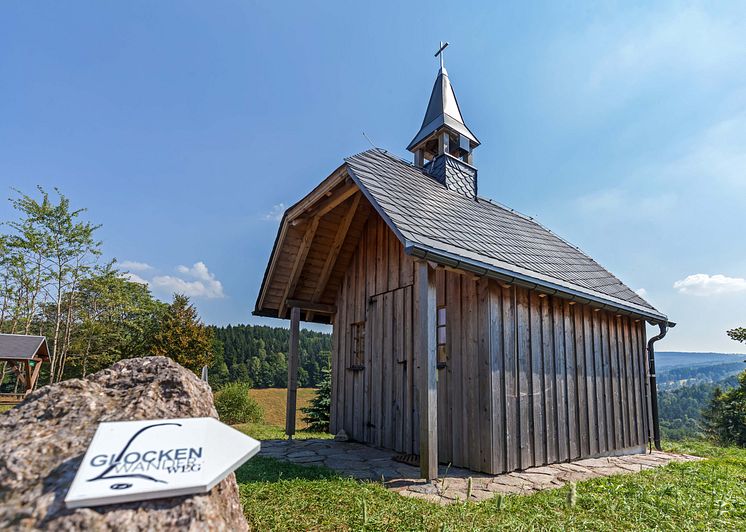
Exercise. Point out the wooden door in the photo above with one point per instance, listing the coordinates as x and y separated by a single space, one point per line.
392 410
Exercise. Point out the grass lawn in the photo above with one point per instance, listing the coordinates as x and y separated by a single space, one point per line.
265 431
698 495
273 401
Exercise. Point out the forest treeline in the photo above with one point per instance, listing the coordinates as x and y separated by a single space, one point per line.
680 409
257 355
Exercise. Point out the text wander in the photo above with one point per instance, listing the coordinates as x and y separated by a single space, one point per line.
139 460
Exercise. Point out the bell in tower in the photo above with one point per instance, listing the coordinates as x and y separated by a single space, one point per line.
443 146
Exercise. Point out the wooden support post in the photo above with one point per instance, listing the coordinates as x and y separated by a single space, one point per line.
443 141
427 371
27 368
292 371
419 158
35 374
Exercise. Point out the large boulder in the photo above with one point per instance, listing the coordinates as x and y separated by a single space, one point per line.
43 440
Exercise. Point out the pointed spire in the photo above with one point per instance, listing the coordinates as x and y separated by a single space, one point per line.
442 110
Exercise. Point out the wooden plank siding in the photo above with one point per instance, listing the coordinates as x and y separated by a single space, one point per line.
529 378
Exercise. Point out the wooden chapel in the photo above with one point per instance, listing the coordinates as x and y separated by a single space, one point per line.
463 332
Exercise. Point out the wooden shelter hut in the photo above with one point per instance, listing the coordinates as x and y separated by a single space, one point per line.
463 331
23 356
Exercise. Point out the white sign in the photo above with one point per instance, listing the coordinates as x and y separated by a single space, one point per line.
137 460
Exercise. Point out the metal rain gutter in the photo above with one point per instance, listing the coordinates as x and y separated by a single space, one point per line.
654 384
507 276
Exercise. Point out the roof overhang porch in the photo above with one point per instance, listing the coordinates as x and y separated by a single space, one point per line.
314 244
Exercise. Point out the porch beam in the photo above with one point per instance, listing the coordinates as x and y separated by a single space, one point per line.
35 374
321 308
292 372
27 369
426 370
339 239
300 259
329 204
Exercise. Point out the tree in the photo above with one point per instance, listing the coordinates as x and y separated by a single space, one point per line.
217 373
725 417
182 336
257 354
317 414
738 334
43 259
114 318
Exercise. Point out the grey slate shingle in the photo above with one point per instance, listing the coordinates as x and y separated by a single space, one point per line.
426 212
22 347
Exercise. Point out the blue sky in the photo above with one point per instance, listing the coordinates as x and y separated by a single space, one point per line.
185 127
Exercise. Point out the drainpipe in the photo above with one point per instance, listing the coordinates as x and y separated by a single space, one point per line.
653 385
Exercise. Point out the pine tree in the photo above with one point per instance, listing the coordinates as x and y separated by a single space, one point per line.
318 413
182 336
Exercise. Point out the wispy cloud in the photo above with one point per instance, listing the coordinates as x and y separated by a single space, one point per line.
702 284
642 293
623 204
275 214
714 157
196 281
135 278
690 42
134 266
664 49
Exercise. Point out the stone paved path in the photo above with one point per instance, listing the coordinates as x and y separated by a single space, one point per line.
363 462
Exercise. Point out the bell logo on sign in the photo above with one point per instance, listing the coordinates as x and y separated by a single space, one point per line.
138 460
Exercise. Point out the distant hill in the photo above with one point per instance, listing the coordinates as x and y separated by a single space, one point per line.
675 370
672 359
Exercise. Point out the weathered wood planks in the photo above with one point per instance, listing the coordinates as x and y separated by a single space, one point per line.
528 378
427 372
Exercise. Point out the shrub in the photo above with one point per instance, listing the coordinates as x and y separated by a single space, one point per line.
318 413
235 406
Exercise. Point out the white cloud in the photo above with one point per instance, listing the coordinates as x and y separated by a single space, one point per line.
135 266
642 293
199 282
135 278
598 67
689 41
702 284
275 214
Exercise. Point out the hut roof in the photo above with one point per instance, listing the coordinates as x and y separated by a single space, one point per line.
22 347
440 224
434 223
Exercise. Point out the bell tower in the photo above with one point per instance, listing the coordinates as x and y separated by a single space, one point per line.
444 144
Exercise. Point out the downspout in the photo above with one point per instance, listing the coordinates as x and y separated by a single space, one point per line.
653 384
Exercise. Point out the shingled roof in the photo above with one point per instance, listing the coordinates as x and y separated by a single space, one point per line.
444 226
22 347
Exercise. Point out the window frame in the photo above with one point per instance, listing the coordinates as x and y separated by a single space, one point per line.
357 337
441 326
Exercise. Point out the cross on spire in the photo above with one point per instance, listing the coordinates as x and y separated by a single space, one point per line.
440 52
